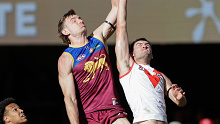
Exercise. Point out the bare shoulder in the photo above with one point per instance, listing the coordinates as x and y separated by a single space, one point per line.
168 81
65 61
124 66
65 57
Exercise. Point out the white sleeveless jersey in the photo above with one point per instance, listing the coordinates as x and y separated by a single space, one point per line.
144 90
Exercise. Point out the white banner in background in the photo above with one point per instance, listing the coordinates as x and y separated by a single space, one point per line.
35 22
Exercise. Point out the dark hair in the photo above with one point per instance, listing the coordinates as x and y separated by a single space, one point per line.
3 104
61 26
132 45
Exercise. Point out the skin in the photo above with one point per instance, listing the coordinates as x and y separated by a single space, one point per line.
142 54
76 31
14 115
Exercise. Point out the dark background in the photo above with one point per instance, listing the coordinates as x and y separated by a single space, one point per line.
29 74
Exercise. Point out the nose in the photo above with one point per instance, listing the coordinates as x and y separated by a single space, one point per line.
80 20
21 111
144 46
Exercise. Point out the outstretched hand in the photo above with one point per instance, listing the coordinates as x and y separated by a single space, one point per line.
177 92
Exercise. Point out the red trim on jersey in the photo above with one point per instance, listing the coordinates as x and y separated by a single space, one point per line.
153 78
127 72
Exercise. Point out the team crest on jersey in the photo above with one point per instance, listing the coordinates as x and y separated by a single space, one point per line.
141 68
91 50
92 66
81 57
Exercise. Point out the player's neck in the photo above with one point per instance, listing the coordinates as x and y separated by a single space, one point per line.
78 40
143 62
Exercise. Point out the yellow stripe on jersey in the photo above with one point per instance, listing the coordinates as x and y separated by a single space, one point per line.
70 56
92 35
77 46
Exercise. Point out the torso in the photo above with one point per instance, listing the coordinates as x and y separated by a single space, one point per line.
92 72
144 91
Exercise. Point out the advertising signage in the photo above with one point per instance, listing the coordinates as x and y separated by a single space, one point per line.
160 21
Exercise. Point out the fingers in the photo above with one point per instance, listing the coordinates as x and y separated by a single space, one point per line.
180 90
174 86
177 90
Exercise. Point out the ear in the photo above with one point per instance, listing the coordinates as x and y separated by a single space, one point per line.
65 32
6 119
131 54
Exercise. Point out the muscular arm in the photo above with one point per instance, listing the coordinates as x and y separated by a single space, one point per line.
122 44
67 85
176 94
104 31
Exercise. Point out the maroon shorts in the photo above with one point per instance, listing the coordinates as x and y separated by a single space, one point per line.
105 116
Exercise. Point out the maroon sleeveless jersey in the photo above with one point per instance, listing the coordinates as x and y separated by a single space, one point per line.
93 76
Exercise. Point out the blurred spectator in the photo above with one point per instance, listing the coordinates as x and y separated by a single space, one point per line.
206 121
11 113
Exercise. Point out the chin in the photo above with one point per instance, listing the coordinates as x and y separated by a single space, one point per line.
24 121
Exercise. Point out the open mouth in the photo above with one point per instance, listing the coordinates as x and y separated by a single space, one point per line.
146 49
23 116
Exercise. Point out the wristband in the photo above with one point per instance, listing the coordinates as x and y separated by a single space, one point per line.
111 24
168 91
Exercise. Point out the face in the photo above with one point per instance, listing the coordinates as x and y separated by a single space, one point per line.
142 49
14 114
74 25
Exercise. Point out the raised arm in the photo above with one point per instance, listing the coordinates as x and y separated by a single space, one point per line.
66 82
105 30
122 44
175 93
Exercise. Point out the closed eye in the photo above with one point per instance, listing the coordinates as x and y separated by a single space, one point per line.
139 44
73 19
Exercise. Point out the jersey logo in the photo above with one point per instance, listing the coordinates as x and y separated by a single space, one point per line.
91 50
81 57
98 46
86 47
155 79
92 66
114 101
